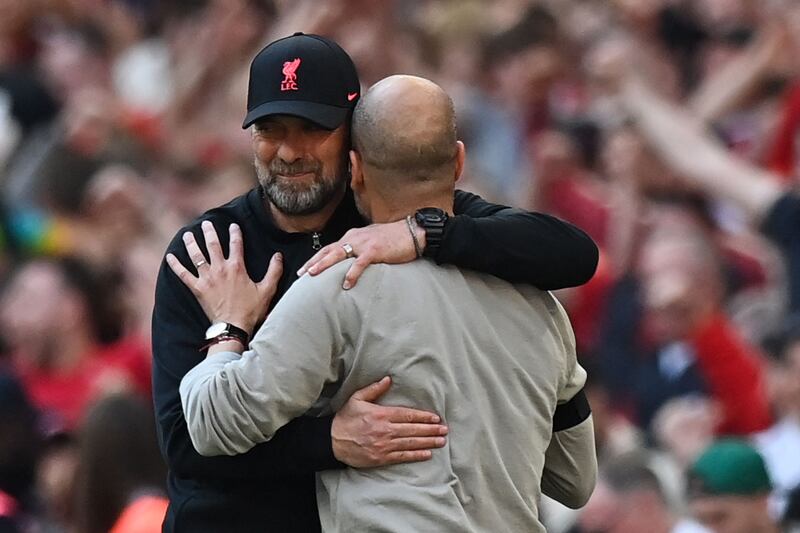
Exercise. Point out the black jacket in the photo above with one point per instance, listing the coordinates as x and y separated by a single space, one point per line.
271 488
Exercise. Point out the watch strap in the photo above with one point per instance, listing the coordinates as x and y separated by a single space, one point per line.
232 331
433 221
222 338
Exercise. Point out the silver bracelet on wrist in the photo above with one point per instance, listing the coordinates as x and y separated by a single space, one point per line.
413 233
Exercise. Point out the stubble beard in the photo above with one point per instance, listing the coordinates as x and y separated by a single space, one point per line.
293 197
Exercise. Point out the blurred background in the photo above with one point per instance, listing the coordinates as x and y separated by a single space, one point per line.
669 130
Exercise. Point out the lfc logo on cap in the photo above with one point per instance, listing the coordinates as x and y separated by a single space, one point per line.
289 82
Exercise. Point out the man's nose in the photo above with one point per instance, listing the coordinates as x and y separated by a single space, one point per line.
291 148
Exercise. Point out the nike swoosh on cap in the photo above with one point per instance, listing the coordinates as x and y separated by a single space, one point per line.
351 96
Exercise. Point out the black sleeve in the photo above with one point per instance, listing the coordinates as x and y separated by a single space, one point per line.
179 324
516 245
571 413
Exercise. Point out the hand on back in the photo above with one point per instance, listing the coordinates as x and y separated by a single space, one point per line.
222 285
379 243
366 434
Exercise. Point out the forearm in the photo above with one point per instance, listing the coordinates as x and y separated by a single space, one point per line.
302 446
570 468
519 246
623 234
233 402
217 421
685 146
738 78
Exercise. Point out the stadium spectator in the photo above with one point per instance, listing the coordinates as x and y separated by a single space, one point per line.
119 123
631 498
729 489
119 485
63 331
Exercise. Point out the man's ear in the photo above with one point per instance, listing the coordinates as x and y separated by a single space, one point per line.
461 157
356 171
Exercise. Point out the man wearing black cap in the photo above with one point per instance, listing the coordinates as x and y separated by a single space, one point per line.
306 76
301 95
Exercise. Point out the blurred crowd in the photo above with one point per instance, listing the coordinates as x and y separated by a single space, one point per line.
669 130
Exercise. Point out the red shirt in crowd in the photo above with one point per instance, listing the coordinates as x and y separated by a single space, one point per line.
64 396
734 372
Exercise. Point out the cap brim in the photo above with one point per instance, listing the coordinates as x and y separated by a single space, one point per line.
327 116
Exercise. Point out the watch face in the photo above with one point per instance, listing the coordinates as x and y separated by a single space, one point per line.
216 329
432 214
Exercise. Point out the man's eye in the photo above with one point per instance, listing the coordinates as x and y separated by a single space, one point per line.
266 128
312 127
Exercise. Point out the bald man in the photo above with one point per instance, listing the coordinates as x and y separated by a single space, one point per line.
495 360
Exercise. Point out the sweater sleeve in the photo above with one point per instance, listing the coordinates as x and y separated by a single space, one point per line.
303 445
517 245
735 376
232 403
570 466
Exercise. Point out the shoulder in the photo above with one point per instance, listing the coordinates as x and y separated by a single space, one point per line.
325 289
237 210
328 284
545 302
321 300
473 205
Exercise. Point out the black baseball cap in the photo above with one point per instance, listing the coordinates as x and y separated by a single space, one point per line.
307 76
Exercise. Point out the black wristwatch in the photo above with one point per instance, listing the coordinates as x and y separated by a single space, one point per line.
432 220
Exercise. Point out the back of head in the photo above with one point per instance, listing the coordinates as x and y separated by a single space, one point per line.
630 473
729 467
630 497
119 458
404 129
729 488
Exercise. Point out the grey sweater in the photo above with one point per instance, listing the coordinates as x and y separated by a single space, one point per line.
492 358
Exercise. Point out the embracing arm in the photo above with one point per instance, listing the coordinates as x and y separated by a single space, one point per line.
517 245
232 402
304 445
512 244
361 434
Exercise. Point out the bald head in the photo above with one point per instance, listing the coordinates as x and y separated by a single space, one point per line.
404 129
